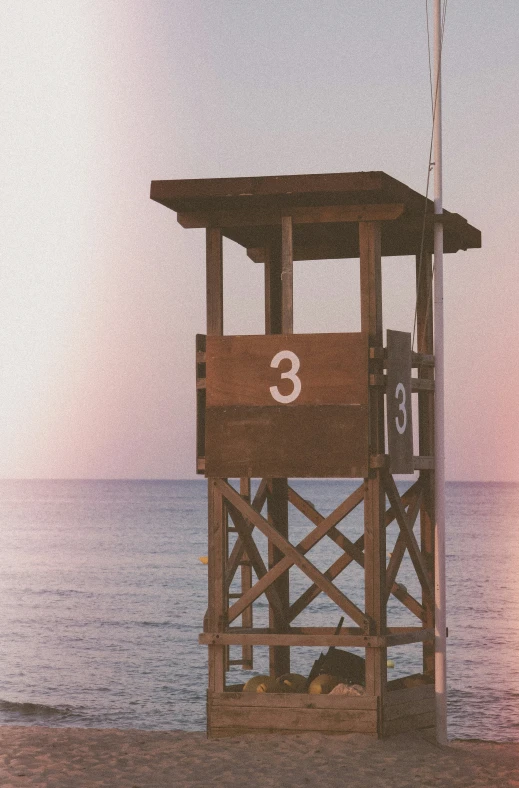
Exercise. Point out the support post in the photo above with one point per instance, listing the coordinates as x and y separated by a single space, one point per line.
425 344
439 420
217 530
374 501
246 585
279 320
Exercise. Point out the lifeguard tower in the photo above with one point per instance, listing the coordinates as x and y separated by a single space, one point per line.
284 405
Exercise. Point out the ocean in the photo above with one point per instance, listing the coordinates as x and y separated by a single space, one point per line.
102 596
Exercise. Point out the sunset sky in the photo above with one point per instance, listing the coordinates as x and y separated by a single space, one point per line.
102 292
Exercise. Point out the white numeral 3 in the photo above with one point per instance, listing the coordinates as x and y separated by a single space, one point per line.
401 427
291 375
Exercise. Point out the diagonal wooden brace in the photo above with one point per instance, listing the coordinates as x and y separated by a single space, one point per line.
245 534
407 532
345 560
316 518
237 551
304 546
400 546
233 498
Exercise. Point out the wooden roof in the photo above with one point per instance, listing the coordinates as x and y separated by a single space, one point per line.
325 209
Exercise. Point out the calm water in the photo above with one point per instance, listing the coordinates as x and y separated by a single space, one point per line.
102 599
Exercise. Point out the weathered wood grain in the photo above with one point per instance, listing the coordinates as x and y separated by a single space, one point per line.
333 369
282 719
299 441
293 700
327 214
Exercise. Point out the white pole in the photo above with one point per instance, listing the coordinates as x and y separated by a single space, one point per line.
439 449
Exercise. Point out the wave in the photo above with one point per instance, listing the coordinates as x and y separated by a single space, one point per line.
33 709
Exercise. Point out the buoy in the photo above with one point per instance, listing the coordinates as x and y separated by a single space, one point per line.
292 682
262 684
203 559
390 663
323 684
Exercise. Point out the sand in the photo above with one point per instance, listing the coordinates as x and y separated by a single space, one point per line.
81 758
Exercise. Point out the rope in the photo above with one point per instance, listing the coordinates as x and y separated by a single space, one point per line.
430 166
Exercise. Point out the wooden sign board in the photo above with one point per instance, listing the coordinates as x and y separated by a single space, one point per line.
287 405
399 411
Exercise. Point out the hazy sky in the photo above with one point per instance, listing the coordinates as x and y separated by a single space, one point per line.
102 292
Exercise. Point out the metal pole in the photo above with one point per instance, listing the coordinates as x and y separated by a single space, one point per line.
439 449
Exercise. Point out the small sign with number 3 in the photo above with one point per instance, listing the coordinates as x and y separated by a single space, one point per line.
399 417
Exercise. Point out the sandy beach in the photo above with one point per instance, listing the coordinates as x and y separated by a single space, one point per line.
84 758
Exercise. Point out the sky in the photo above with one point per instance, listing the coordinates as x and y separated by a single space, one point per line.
102 292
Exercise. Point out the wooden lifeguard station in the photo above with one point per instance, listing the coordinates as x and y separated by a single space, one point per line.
316 405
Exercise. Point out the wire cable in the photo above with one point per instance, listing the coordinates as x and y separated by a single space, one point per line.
429 167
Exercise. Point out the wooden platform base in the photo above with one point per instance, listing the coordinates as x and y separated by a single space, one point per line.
239 713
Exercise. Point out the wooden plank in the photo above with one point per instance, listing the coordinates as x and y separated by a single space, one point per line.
424 463
411 543
398 402
422 359
409 682
281 719
410 694
200 404
273 289
414 635
225 733
243 217
246 584
217 602
287 276
217 536
277 514
274 186
410 709
277 260
333 370
422 384
284 563
292 700
299 441
410 723
230 638
374 500
214 281
290 551
417 359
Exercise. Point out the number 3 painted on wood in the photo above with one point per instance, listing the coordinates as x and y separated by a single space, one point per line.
401 427
291 375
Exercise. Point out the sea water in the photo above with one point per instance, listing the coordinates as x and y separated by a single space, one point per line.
102 596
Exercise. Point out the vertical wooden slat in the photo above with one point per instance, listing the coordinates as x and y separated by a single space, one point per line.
214 281
276 321
273 290
200 407
246 584
217 530
425 344
217 544
287 276
374 501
